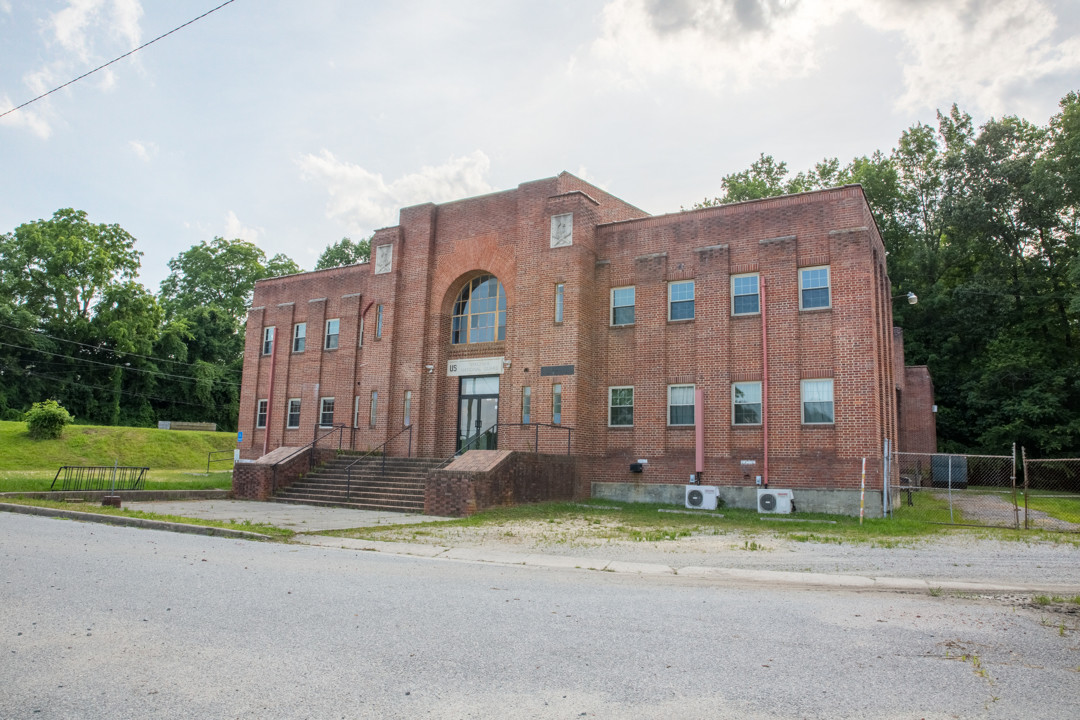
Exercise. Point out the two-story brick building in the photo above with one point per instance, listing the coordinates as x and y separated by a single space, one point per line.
744 340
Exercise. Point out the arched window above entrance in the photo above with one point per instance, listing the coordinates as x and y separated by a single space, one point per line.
479 312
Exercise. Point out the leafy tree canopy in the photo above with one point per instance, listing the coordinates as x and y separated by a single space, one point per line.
344 252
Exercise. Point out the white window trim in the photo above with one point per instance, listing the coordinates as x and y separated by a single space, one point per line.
526 405
373 415
758 294
693 388
296 336
360 335
356 411
692 300
802 400
407 409
734 404
828 285
288 413
269 334
262 409
556 391
378 322
322 409
611 306
327 334
560 302
610 392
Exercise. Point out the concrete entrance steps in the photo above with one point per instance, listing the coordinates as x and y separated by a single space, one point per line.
399 489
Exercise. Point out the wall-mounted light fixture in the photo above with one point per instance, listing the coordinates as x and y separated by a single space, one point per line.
429 368
912 298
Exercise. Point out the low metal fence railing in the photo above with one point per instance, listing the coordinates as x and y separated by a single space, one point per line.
1051 494
99 477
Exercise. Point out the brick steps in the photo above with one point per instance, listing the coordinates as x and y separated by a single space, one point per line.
399 489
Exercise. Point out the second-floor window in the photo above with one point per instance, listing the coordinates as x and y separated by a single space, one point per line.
332 327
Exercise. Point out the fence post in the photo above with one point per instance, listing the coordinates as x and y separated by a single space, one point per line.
1023 456
951 518
1016 508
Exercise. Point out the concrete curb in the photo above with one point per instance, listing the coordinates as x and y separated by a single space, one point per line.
734 575
132 522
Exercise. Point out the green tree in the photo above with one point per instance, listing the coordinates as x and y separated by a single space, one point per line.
344 252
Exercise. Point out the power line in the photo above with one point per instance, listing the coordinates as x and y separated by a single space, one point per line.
130 52
121 367
117 353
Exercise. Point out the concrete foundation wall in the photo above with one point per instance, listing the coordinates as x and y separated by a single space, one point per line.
835 502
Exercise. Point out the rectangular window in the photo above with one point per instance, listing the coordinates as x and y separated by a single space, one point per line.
746 403
560 289
326 412
620 406
556 404
681 300
817 402
374 407
814 288
744 295
294 414
332 327
260 414
680 404
526 405
268 340
622 306
299 337
378 321
360 334
408 408
356 411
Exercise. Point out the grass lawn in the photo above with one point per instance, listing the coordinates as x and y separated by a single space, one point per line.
1056 505
39 480
274 532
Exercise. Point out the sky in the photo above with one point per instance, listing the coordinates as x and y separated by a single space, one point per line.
294 124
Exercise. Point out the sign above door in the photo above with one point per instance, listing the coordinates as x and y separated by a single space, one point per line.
476 366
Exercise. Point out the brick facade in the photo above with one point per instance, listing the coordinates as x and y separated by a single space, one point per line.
437 249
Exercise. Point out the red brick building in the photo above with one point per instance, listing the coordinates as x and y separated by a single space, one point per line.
573 319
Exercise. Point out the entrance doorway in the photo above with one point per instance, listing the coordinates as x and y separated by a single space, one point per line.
478 413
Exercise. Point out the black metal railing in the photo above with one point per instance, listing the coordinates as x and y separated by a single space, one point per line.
467 445
369 453
100 477
310 449
230 453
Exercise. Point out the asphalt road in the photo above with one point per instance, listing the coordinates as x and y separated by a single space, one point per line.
106 622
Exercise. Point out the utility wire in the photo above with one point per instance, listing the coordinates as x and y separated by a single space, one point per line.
114 352
101 67
122 367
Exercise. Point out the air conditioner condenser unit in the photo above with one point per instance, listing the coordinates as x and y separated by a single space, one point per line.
702 497
775 501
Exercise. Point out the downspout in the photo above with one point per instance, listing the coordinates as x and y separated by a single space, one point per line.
269 395
699 434
764 387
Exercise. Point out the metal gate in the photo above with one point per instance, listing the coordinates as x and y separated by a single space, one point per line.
956 489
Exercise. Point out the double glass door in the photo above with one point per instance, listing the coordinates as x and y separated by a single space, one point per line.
478 413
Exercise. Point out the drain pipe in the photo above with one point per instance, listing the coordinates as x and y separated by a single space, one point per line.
699 434
269 395
764 387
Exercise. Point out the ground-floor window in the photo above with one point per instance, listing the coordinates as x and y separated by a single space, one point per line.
408 408
294 414
620 406
260 414
526 405
326 412
817 402
556 404
374 407
680 404
746 403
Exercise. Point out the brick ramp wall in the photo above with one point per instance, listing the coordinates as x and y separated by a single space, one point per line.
255 480
481 479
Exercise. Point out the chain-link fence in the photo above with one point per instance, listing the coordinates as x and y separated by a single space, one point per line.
1051 494
956 489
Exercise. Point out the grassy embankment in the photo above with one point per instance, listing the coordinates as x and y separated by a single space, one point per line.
177 460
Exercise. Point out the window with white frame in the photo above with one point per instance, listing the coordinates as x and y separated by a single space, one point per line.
526 405
814 288
817 402
260 413
746 403
299 337
681 300
745 299
680 404
556 404
356 411
268 340
360 333
326 411
620 406
560 291
374 408
622 306
378 322
293 420
332 328
408 408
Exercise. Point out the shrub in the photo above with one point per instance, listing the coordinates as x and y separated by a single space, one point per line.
46 420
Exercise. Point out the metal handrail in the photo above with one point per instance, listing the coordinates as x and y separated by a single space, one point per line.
310 447
536 442
348 468
217 452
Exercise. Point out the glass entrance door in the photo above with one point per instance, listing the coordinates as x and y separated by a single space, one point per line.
478 413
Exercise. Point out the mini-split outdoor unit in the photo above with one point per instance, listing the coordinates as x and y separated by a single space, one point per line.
702 497
775 501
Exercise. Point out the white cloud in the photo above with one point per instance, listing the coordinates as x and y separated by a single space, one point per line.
25 118
5 5
976 51
145 151
363 200
236 229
